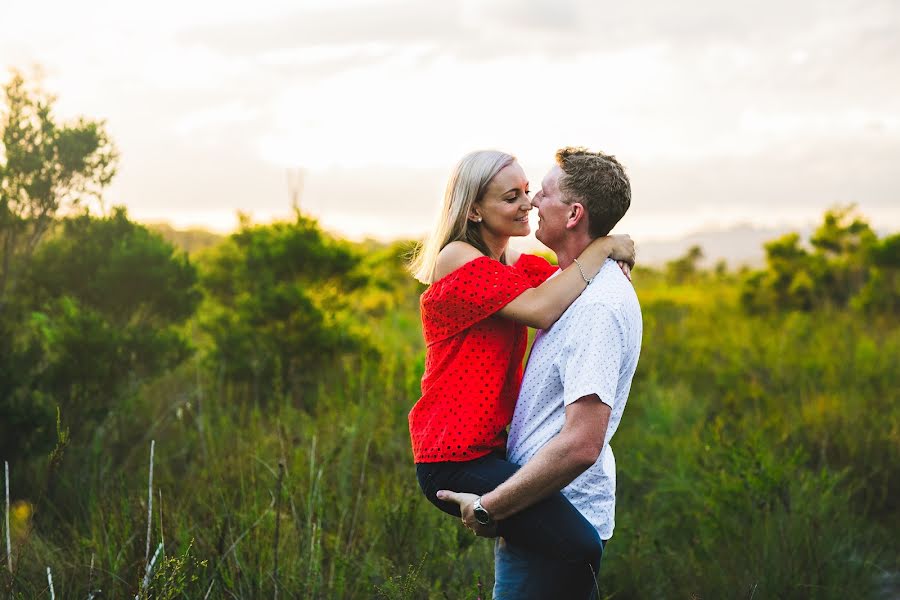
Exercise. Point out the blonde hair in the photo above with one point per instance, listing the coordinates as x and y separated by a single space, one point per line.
468 182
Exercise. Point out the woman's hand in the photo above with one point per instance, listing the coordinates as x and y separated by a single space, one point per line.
625 268
622 249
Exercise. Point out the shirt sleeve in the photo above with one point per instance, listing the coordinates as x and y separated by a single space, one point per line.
592 358
535 268
470 294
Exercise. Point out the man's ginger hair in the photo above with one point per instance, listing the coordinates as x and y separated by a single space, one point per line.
598 182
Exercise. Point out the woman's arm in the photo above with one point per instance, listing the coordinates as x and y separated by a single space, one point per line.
542 306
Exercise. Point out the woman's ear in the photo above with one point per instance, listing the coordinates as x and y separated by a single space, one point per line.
474 216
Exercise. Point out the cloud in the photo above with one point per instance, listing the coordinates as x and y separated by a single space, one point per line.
397 22
796 101
760 38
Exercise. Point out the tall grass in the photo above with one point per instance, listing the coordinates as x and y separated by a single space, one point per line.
755 460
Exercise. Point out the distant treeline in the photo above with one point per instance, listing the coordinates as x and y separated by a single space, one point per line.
843 264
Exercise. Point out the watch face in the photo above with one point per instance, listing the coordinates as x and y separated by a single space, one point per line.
482 516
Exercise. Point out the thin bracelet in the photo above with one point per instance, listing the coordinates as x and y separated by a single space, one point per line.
580 270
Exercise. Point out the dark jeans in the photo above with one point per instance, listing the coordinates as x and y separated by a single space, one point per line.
551 528
520 574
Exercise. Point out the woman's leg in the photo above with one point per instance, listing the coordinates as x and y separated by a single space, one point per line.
551 527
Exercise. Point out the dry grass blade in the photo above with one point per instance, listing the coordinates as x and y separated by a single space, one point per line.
149 570
8 544
149 501
50 583
277 524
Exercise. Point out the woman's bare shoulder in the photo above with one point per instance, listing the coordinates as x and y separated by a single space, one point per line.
453 256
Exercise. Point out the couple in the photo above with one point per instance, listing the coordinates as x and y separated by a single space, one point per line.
547 490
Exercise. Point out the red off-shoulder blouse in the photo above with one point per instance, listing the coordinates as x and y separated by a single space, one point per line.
473 360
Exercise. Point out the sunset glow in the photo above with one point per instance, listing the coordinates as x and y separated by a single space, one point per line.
721 117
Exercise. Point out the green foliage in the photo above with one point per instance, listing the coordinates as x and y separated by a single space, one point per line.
122 270
106 297
408 586
757 457
44 166
685 268
846 265
277 304
62 441
176 577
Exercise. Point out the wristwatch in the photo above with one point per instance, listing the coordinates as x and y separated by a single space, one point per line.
481 514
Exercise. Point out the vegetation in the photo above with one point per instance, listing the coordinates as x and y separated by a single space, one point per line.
272 373
847 266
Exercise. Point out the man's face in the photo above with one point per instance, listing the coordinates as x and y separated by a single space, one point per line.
553 213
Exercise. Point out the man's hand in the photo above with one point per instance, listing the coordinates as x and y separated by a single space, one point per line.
466 508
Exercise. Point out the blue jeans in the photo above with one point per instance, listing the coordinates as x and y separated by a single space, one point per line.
551 529
521 574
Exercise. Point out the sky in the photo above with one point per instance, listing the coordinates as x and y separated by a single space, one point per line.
765 113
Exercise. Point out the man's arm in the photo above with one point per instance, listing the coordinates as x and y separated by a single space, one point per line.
571 452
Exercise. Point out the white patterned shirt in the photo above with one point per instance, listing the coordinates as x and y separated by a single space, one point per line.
592 349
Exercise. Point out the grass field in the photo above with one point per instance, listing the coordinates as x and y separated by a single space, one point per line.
756 460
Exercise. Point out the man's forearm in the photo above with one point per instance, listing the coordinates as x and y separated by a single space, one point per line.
559 462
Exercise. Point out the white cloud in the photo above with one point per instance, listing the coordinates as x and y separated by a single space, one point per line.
209 102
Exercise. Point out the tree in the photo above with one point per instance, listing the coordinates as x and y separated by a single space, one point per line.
845 264
277 309
102 304
45 167
278 304
127 273
684 268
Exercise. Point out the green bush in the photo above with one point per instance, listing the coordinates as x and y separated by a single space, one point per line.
277 305
101 307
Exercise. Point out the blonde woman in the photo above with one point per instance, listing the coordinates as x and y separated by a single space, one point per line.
481 298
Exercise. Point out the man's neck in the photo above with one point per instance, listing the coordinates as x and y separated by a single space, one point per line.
569 249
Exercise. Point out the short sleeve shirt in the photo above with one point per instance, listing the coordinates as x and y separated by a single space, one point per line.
592 349
473 359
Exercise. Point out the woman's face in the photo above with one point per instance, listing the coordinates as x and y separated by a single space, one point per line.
504 208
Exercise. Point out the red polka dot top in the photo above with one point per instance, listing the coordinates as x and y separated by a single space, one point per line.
473 359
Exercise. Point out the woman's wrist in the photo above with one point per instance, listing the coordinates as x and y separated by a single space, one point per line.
592 258
587 280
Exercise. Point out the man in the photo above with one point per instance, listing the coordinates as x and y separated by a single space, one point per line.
575 387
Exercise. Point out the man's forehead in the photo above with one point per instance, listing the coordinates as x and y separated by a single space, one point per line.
551 178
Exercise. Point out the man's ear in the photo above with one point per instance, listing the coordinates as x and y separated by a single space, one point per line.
577 214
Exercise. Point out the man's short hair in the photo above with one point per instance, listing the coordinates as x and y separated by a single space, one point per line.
598 181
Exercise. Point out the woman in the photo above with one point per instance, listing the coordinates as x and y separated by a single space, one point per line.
482 297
